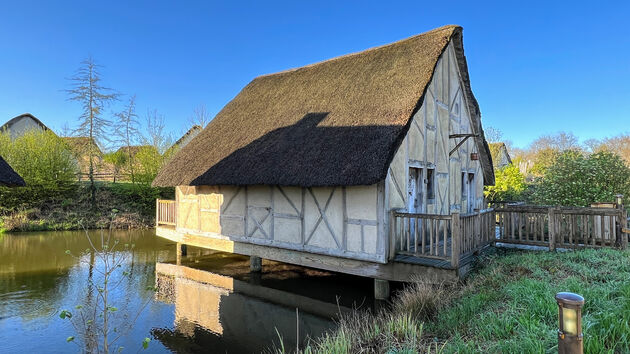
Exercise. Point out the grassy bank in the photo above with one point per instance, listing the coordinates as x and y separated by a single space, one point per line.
506 305
41 208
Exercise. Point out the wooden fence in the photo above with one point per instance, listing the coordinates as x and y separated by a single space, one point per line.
443 237
564 227
165 212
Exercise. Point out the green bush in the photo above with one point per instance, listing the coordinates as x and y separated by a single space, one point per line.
576 179
509 185
149 162
40 157
139 197
45 163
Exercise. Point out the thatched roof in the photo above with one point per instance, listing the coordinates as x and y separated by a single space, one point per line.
133 150
8 177
338 122
188 136
80 145
500 155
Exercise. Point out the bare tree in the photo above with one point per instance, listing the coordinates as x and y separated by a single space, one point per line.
99 324
200 117
65 129
619 145
86 88
127 132
157 135
493 135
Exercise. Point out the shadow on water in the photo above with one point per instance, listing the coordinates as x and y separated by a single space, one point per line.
210 302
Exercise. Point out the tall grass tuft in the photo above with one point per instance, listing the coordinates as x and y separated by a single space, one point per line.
421 299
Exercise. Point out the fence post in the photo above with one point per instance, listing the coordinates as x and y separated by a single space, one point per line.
157 212
552 229
623 223
456 235
392 235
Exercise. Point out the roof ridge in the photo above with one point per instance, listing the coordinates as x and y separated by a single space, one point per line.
343 56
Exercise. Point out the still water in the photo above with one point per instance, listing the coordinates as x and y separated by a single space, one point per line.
209 302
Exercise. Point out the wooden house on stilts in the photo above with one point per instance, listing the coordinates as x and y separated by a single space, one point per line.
371 164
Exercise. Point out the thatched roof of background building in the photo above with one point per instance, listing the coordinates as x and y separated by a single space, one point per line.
500 155
80 145
188 136
133 150
338 122
8 177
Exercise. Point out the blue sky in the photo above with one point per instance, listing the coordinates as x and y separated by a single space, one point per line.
536 67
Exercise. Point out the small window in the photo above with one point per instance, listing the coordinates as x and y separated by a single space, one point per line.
430 183
456 109
464 181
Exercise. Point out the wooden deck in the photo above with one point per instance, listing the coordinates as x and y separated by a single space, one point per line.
434 247
403 270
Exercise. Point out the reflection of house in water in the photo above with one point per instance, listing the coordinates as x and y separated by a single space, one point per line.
221 312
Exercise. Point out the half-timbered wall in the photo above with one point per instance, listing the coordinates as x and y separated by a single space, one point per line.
338 221
427 146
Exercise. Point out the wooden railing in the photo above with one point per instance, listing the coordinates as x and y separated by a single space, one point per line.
564 227
443 237
165 212
478 230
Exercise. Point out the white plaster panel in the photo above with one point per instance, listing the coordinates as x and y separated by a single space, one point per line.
287 230
282 204
361 202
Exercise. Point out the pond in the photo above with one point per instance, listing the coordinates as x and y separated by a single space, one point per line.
209 302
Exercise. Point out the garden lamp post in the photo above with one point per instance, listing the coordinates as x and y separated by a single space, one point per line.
570 337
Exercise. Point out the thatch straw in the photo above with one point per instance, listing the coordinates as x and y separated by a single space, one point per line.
338 122
8 177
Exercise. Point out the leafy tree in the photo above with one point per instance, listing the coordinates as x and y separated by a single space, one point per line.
86 88
45 163
126 129
577 179
543 151
118 160
509 185
40 157
149 163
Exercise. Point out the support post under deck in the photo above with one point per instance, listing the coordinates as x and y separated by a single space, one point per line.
255 264
381 289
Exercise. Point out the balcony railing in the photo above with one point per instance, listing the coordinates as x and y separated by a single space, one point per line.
443 237
165 212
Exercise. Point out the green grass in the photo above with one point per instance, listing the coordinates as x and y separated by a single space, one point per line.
505 306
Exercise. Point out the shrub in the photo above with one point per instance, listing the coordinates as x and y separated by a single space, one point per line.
575 179
40 157
46 165
149 162
509 185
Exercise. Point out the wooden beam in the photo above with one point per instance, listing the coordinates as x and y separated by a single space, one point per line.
465 136
395 271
